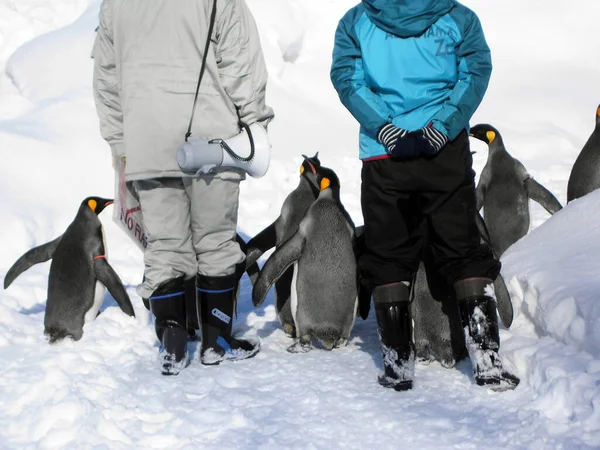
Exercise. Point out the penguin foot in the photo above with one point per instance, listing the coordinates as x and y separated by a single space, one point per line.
289 330
424 356
425 360
300 346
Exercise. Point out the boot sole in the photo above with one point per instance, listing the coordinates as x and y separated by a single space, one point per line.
400 386
231 357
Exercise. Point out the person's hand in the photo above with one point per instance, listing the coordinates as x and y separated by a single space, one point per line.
434 141
400 143
389 135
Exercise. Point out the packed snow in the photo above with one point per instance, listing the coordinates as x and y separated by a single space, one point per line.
105 391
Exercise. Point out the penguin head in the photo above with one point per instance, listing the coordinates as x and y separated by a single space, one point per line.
598 117
97 204
328 179
486 133
310 165
308 171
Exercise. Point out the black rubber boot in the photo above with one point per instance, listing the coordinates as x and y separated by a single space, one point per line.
480 323
216 306
394 323
167 303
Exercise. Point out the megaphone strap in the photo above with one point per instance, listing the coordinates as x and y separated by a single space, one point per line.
233 154
213 15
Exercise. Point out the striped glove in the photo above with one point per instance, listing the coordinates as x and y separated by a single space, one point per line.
435 140
389 135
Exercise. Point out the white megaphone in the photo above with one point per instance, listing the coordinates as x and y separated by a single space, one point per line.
250 151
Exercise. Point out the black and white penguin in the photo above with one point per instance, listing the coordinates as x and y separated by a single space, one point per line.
324 294
585 175
504 190
79 273
294 207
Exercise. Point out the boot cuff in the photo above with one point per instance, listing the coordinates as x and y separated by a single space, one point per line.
205 283
471 287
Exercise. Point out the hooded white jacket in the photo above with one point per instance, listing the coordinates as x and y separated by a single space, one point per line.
147 58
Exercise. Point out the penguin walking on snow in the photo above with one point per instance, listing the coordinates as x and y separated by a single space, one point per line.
294 207
78 274
585 174
324 292
504 190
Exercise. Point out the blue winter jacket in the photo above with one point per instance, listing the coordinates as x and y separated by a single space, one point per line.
410 62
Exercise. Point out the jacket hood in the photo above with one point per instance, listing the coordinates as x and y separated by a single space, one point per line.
406 18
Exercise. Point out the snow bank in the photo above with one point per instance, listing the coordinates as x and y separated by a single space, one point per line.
557 267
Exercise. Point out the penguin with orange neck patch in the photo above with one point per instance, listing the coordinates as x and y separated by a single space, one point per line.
585 174
79 274
324 289
294 207
504 190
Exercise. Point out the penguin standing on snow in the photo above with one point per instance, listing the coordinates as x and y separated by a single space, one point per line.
504 190
324 293
294 207
78 275
585 175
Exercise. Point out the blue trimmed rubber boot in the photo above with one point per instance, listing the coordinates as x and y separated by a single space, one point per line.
216 306
167 303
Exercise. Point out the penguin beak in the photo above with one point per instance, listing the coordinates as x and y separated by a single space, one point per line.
312 167
471 134
110 202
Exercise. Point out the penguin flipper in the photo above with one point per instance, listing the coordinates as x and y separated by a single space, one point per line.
543 196
34 256
251 268
503 301
276 265
483 231
364 293
109 278
260 243
479 196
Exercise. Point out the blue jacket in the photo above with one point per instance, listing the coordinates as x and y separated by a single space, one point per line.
412 63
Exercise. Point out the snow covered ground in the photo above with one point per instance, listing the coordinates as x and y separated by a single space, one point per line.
104 391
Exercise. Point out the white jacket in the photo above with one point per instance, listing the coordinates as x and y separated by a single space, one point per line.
147 58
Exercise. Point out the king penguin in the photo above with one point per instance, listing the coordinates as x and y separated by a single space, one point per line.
79 273
324 291
294 207
585 175
504 190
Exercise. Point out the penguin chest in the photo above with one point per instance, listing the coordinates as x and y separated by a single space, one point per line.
99 290
294 293
92 313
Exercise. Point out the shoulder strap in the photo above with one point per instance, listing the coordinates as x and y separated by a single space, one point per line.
213 15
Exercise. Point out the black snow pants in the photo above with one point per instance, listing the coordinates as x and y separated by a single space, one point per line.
397 196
